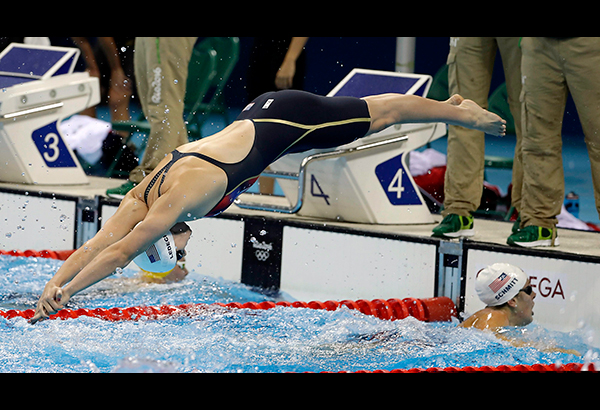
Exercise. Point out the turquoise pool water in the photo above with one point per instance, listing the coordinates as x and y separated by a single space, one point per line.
239 340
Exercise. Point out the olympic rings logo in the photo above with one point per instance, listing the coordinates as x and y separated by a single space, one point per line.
261 255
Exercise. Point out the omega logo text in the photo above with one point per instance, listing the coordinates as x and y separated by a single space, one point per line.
548 288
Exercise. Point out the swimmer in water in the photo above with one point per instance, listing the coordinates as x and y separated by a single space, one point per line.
509 296
202 178
507 292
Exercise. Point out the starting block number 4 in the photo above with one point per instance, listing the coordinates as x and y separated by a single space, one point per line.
320 194
396 182
52 148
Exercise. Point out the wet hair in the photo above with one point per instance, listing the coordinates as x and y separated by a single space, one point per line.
180 227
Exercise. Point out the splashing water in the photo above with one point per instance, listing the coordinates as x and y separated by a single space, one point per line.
235 340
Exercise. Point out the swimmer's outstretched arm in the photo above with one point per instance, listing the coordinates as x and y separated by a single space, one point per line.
390 109
116 255
129 213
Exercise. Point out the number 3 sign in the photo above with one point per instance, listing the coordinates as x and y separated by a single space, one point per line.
52 147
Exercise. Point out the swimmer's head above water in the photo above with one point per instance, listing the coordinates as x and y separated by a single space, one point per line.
161 258
509 297
499 283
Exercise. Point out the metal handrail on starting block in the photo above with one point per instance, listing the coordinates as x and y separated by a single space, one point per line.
301 175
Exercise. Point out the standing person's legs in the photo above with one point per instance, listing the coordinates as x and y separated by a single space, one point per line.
582 71
511 62
470 64
543 100
161 69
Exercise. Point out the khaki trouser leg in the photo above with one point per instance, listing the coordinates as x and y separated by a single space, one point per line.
511 62
470 65
469 75
161 67
543 100
582 71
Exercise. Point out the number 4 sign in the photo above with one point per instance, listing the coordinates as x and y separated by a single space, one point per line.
314 184
396 182
52 148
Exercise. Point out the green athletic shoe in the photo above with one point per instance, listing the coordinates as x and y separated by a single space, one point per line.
532 236
120 191
517 225
454 226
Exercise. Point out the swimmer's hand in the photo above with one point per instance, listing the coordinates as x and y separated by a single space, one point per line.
52 300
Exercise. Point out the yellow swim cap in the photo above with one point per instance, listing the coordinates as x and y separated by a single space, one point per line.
155 275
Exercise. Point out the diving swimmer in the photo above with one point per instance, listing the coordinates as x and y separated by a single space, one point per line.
202 178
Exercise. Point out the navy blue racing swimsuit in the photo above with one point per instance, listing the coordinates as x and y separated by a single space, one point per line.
287 121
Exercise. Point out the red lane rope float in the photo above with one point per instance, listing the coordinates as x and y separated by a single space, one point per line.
520 368
432 310
46 253
429 310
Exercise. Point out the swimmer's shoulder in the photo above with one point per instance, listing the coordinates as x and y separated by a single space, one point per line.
486 319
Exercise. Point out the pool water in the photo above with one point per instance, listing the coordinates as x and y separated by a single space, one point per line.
239 340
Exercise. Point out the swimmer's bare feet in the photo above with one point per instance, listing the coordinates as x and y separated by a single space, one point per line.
454 100
481 119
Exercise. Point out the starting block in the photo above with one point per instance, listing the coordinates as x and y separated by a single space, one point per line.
38 89
366 181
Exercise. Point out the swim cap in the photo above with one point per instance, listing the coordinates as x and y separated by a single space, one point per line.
160 257
499 283
155 275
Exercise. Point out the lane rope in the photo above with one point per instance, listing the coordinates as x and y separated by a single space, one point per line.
438 309
46 253
520 368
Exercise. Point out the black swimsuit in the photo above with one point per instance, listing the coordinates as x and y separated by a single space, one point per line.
285 122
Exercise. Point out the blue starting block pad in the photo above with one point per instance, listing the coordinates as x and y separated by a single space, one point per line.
362 83
20 63
38 90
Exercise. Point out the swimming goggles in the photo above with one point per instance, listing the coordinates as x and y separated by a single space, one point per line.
527 289
180 254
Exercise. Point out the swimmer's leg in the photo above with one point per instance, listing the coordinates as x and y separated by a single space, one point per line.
389 109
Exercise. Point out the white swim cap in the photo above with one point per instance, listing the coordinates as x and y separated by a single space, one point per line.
160 257
499 283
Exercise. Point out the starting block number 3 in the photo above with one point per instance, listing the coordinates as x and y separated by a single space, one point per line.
52 148
51 141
